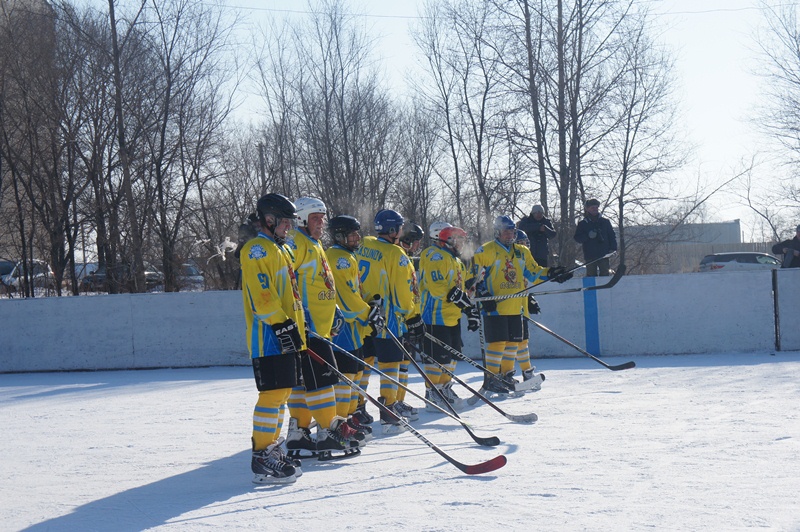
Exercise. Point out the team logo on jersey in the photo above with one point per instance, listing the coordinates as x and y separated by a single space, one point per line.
510 273
257 252
436 256
403 261
342 263
290 242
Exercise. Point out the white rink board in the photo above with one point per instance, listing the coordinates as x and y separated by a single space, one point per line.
641 315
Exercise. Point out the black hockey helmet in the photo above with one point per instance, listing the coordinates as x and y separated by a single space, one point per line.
411 233
276 205
341 226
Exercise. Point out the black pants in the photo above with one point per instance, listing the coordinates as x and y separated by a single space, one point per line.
598 268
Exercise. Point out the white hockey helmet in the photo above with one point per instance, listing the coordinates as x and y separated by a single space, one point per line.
306 206
436 228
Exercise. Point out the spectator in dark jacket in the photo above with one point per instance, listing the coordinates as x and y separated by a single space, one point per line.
790 250
597 237
539 230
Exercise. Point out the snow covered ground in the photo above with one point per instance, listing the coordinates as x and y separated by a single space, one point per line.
702 442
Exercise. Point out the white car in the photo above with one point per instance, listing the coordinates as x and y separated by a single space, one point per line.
738 260
11 273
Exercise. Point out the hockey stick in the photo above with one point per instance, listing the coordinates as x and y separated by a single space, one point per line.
611 282
461 356
475 469
524 418
516 418
626 365
528 290
491 441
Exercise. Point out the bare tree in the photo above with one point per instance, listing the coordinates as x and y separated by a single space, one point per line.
334 127
642 150
779 117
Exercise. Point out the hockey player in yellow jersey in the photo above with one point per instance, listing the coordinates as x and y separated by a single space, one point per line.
523 357
410 240
360 319
316 397
505 268
274 324
444 298
385 272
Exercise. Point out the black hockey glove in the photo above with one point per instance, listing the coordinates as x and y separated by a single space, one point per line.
288 336
487 306
473 318
416 329
533 305
559 274
375 317
459 298
469 283
338 322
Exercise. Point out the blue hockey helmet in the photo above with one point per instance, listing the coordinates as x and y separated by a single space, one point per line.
504 223
388 221
522 238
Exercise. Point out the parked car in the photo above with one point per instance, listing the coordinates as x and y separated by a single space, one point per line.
98 280
11 273
738 260
190 278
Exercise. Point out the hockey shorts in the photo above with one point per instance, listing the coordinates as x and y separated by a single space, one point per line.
275 372
503 329
450 335
383 349
316 374
347 364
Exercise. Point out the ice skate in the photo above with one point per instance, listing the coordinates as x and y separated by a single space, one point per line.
335 442
364 430
299 443
364 417
511 383
406 410
531 382
494 388
269 467
450 396
390 421
434 398
284 457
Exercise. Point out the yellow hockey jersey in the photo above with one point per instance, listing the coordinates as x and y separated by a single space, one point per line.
384 270
349 298
506 269
314 280
269 293
440 271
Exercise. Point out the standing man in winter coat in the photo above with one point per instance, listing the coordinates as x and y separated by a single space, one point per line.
790 250
597 237
539 229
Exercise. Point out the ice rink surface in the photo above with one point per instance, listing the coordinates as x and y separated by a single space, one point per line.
697 442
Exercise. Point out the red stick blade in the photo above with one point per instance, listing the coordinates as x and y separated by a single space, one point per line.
486 467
